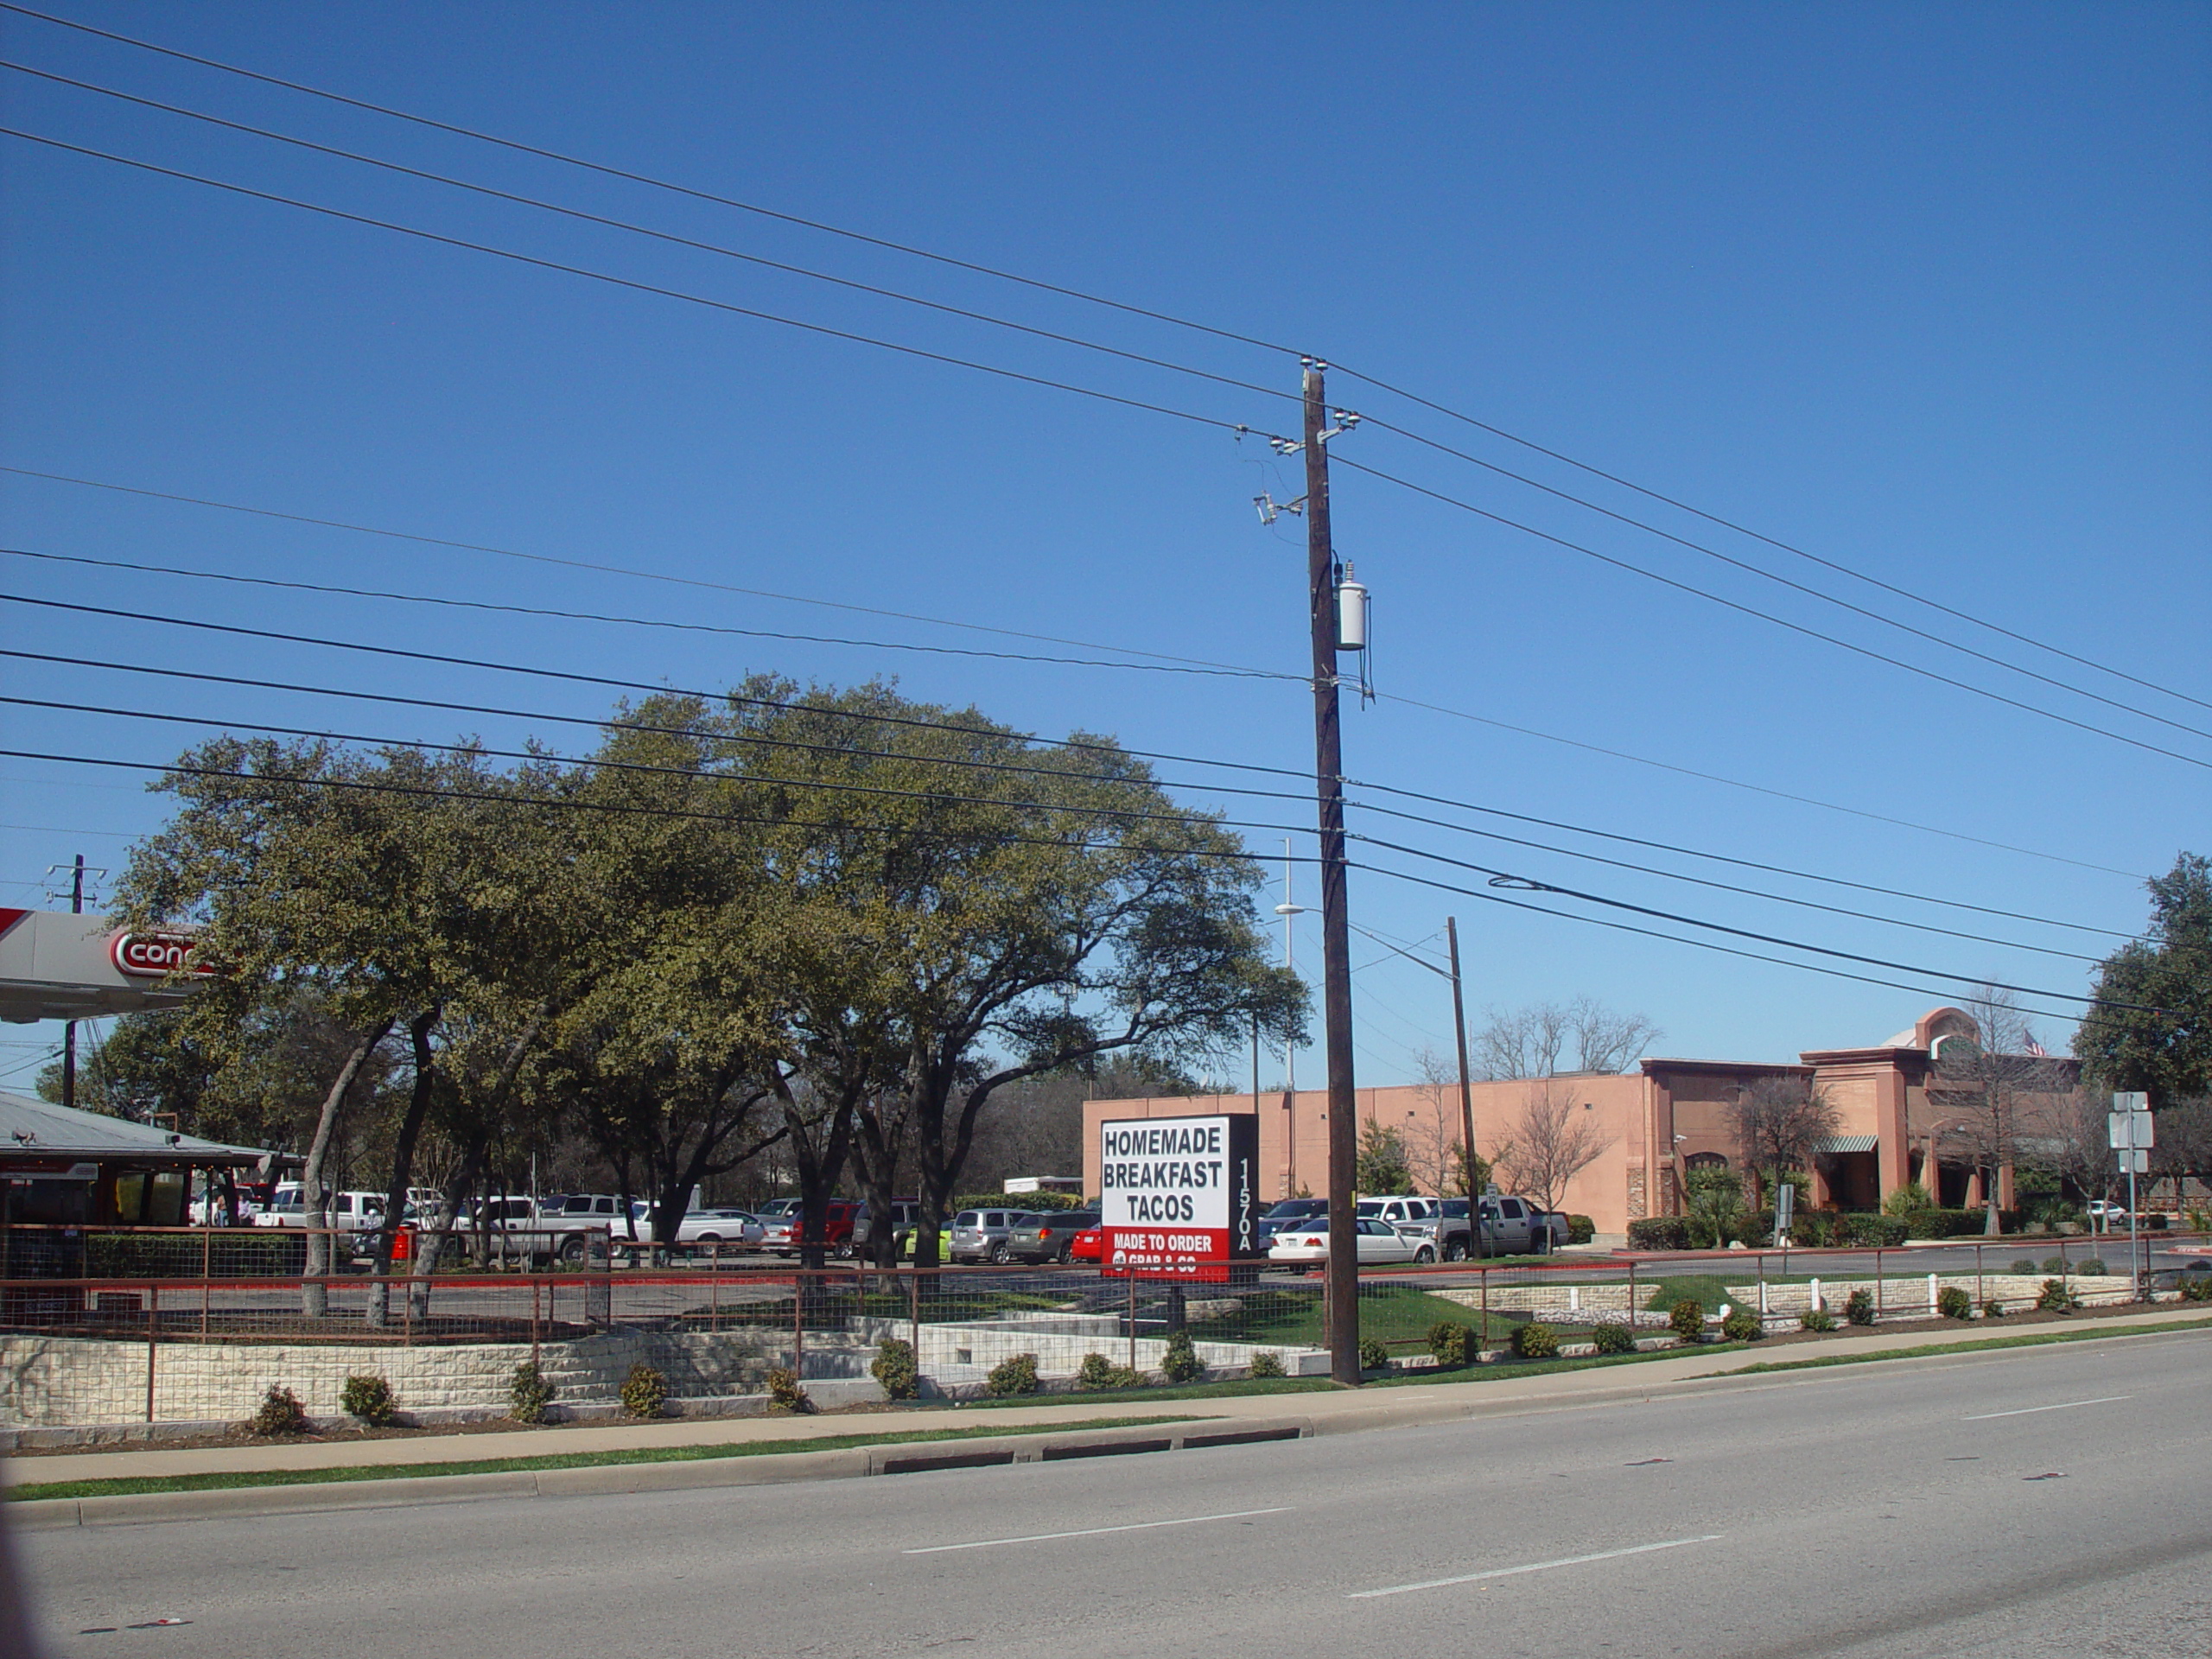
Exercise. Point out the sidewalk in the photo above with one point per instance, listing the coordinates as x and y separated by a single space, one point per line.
1411 1401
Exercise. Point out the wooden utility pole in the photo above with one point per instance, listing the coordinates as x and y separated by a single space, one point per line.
69 1034
1336 935
1466 1095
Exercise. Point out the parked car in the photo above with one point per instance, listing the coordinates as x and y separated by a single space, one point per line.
1380 1244
1049 1236
1089 1245
984 1234
1510 1227
719 1224
1286 1214
1398 1208
838 1216
905 1212
347 1210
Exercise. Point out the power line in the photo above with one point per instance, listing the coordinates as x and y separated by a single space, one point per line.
1225 672
611 570
1744 530
1036 285
660 184
646 231
1411 702
1794 586
628 282
1765 616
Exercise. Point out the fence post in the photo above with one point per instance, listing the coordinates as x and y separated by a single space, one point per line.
207 1271
533 1322
1977 1277
1761 1270
153 1327
714 1286
1878 1282
1482 1341
1133 1318
914 1315
1931 1295
1632 1309
798 1323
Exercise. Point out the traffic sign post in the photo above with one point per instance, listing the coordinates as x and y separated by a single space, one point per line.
2129 1127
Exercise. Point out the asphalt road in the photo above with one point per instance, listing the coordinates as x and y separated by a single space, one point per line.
2032 1502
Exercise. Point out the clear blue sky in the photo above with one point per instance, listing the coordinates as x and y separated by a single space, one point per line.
1923 289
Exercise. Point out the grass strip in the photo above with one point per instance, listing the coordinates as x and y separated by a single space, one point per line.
225 1479
2035 1339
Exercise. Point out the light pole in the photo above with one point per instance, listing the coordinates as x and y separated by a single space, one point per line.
1286 910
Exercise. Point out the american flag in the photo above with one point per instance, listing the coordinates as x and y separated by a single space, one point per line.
2036 1050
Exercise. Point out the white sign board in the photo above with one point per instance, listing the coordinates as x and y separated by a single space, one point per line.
2130 1130
1178 1195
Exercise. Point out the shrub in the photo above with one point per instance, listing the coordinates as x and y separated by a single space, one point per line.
1907 1199
2194 1290
2092 1266
1181 1364
1742 1325
2057 1264
280 1413
1373 1356
368 1398
1816 1319
1659 1233
1452 1343
1011 1376
644 1391
1534 1341
1859 1307
785 1393
1266 1364
1687 1318
893 1366
1992 1309
1870 1232
2057 1297
1580 1230
2025 1264
1614 1340
1953 1303
529 1393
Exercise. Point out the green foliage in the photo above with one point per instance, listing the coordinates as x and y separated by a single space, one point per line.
1742 1325
1715 1198
1452 1343
1907 1200
2056 1297
2057 1264
2194 1289
1034 1203
1097 1371
1953 1303
1534 1341
1181 1364
1870 1232
1816 1319
2024 1265
231 1253
1992 1308
1382 1165
1959 1223
1859 1307
1266 1364
1580 1230
1012 1376
280 1413
1687 1319
644 1391
1373 1356
1702 1288
895 1368
2094 1265
2152 1026
369 1398
1659 1233
785 1393
529 1393
1614 1339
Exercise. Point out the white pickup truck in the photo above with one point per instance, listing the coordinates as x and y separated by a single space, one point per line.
1511 1226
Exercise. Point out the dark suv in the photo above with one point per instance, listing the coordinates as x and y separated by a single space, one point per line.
1047 1236
1289 1214
905 1214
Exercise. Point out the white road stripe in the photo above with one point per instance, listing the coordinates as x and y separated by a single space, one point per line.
2107 1399
1532 1566
1092 1532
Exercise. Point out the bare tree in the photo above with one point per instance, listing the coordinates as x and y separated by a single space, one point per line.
1986 1085
1781 1123
1554 1140
1432 1134
1547 1039
2069 1139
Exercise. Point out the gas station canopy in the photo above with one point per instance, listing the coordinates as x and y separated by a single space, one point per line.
57 965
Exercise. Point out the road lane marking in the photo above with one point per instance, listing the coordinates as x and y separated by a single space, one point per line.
1532 1566
1093 1532
2069 1405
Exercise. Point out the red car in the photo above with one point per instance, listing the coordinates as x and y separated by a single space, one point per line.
838 1217
1089 1245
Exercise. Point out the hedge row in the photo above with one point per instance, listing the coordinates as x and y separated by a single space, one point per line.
1811 1228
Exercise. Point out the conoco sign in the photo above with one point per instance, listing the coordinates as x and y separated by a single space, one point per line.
154 956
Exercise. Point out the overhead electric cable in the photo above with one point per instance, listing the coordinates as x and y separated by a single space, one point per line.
642 622
1410 703
661 235
611 172
1765 616
628 282
1745 529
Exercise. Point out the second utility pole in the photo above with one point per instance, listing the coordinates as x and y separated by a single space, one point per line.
1336 935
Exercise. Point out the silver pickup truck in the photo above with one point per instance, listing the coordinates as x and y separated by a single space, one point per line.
1511 1226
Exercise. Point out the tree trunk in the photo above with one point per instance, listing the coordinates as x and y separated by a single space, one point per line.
402 1162
314 1298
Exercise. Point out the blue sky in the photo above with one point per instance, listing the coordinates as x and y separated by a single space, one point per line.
1922 290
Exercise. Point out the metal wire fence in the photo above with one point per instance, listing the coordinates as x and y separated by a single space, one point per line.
196 1324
